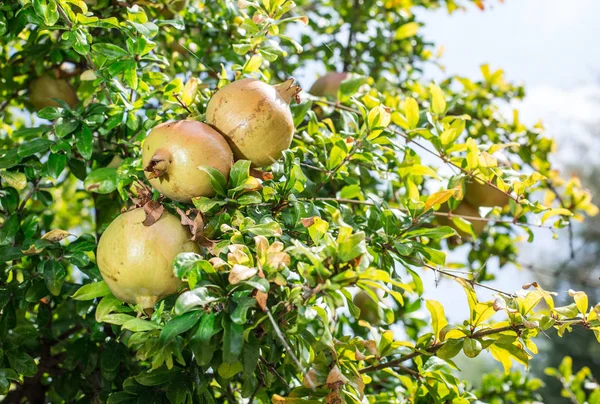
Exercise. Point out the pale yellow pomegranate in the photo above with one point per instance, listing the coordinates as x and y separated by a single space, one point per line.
44 88
136 261
479 194
328 84
255 118
172 153
464 209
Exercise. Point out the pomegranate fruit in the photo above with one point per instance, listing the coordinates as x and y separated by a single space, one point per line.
172 153
43 89
136 261
369 309
479 194
328 84
464 209
255 118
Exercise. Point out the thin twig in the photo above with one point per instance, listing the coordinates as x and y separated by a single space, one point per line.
180 101
435 213
339 167
287 347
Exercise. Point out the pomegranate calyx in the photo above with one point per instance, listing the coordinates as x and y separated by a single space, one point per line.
289 90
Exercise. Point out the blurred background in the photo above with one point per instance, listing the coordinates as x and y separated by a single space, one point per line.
548 45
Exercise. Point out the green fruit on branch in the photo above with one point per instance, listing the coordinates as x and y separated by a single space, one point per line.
173 7
172 153
43 89
481 194
369 309
136 261
328 85
464 209
255 118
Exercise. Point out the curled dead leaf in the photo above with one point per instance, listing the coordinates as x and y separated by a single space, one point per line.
154 211
335 379
307 221
56 235
261 299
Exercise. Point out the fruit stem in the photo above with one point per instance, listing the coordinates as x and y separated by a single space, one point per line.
159 163
288 90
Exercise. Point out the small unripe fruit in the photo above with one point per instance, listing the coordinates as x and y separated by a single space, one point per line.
328 84
43 89
464 209
478 194
255 118
172 153
136 261
369 309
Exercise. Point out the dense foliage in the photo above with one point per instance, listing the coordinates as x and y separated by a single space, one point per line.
363 200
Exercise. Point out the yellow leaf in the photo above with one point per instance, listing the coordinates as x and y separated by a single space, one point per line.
253 64
472 154
581 300
407 30
438 317
15 179
241 273
411 110
439 198
438 102
189 91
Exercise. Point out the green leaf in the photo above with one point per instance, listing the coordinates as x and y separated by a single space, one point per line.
101 181
179 325
21 363
85 142
239 172
33 147
56 164
92 291
450 349
197 297
233 341
109 50
217 180
269 229
47 10
228 370
49 113
9 229
106 306
137 325
156 377
54 274
244 303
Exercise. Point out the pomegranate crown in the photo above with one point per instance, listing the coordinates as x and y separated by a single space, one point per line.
289 90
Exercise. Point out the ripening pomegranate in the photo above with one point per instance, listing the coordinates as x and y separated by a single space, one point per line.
255 118
328 84
478 194
172 153
136 261
464 209
44 88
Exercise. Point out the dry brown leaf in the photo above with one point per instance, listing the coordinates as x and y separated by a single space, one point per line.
56 235
371 346
154 211
310 379
32 250
359 355
261 175
261 299
196 225
333 398
335 379
307 221
241 273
